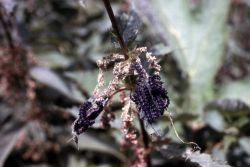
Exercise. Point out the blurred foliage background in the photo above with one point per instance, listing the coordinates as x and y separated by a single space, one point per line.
202 45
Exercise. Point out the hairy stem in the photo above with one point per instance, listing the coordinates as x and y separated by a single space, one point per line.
145 140
115 27
119 90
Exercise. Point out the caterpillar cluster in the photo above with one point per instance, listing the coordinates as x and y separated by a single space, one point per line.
148 93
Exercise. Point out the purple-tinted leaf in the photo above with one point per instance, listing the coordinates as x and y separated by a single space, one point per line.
128 25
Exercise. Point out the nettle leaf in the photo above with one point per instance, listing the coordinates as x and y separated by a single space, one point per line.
53 59
198 36
218 112
245 144
236 90
9 134
76 161
92 143
53 80
204 160
215 120
194 159
88 79
229 107
128 25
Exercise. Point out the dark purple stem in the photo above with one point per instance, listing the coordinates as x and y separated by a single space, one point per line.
115 27
145 140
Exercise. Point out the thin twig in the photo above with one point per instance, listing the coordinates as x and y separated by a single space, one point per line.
194 146
119 90
115 27
6 27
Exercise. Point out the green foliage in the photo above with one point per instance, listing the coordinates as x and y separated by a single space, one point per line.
193 41
236 90
197 37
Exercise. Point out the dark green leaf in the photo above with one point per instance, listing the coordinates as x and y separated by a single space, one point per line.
9 134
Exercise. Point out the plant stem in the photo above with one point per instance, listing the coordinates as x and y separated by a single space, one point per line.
119 90
115 27
145 142
6 28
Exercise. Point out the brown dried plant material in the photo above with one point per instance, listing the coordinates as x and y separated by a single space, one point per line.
132 141
152 62
100 81
15 80
103 64
131 138
128 113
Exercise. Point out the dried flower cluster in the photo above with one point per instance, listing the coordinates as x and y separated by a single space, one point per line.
132 140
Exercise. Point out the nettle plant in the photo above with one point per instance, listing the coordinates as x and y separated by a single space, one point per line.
147 91
136 76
